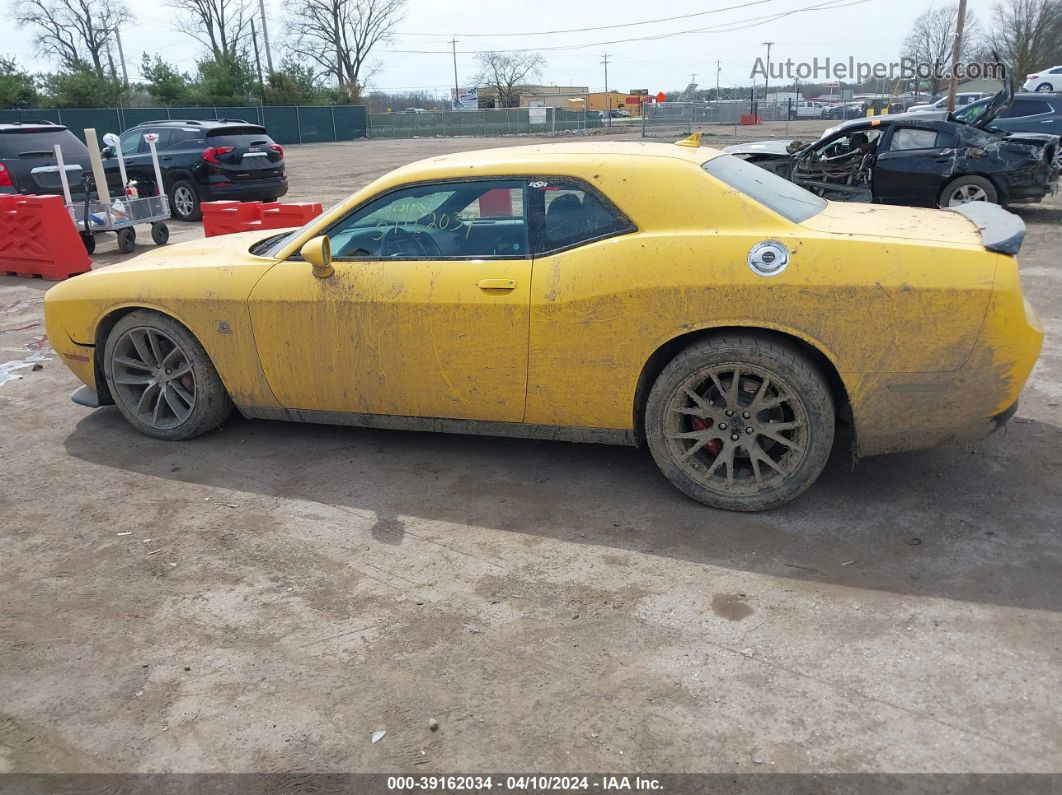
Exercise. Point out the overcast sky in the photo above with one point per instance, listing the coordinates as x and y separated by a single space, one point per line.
869 31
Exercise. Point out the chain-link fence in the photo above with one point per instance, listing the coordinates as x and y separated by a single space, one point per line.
672 118
501 121
287 124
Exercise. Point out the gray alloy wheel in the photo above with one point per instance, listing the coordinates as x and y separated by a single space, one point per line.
743 423
161 378
184 201
1044 88
970 188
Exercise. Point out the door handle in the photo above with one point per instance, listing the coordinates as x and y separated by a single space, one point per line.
496 284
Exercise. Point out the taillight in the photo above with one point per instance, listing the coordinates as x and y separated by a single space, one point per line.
278 149
5 177
1031 77
212 153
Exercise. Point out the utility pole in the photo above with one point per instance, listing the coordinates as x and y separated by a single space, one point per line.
265 36
121 57
767 76
956 50
257 61
457 90
718 68
608 96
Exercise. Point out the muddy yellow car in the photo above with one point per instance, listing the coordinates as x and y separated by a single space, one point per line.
624 293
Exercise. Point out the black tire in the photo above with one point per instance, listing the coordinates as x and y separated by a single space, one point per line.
794 427
210 404
126 239
1044 88
971 185
160 233
184 201
89 240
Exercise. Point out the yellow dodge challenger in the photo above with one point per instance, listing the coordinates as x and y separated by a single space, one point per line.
604 292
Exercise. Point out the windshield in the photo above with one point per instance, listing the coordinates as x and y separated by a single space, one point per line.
788 200
971 112
271 246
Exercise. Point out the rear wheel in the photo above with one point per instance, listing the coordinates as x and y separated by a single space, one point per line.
160 233
743 423
1044 87
970 188
89 240
161 378
184 201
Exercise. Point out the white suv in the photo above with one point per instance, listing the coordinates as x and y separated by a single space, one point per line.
1046 80
961 101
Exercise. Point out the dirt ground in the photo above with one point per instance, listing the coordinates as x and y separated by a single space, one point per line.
266 597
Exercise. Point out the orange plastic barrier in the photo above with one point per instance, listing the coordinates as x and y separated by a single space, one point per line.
748 118
229 217
38 238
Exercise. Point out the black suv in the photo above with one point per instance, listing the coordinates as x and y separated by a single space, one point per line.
28 164
204 161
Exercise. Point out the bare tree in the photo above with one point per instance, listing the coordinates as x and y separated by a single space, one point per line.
220 25
505 73
932 36
1027 34
339 35
76 32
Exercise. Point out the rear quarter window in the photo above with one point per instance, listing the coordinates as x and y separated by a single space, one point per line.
788 200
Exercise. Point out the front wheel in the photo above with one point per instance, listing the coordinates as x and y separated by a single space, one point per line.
740 422
162 379
126 239
160 233
966 189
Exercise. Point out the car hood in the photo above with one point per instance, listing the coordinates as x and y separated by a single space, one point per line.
759 148
210 252
904 223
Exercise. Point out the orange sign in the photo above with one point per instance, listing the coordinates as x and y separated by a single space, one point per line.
661 97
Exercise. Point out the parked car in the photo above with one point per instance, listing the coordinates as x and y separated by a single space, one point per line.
961 100
915 159
27 159
204 161
845 110
806 110
608 292
415 110
1032 112
1049 80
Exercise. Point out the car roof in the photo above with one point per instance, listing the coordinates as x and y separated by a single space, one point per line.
31 126
606 150
204 123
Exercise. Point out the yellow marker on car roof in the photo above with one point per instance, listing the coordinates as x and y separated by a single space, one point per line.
693 141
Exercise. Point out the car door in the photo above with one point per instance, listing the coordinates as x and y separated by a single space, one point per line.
913 164
575 332
425 315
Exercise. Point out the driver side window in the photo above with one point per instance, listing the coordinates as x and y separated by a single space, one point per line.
444 220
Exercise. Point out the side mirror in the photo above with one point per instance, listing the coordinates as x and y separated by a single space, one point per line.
107 151
318 252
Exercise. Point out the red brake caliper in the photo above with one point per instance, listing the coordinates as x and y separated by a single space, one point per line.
699 424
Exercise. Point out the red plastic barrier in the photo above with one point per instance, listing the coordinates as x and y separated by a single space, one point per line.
496 203
748 118
38 238
229 217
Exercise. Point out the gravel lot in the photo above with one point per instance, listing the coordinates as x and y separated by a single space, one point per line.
264 598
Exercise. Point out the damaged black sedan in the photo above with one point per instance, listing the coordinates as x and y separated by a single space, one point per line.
907 159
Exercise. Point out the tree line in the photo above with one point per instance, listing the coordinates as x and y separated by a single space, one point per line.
324 54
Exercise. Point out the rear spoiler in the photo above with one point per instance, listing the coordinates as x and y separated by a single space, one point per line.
1000 231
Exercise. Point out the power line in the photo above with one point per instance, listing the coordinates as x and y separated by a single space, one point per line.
604 27
728 27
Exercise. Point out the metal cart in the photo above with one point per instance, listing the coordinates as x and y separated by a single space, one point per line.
118 215
92 217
